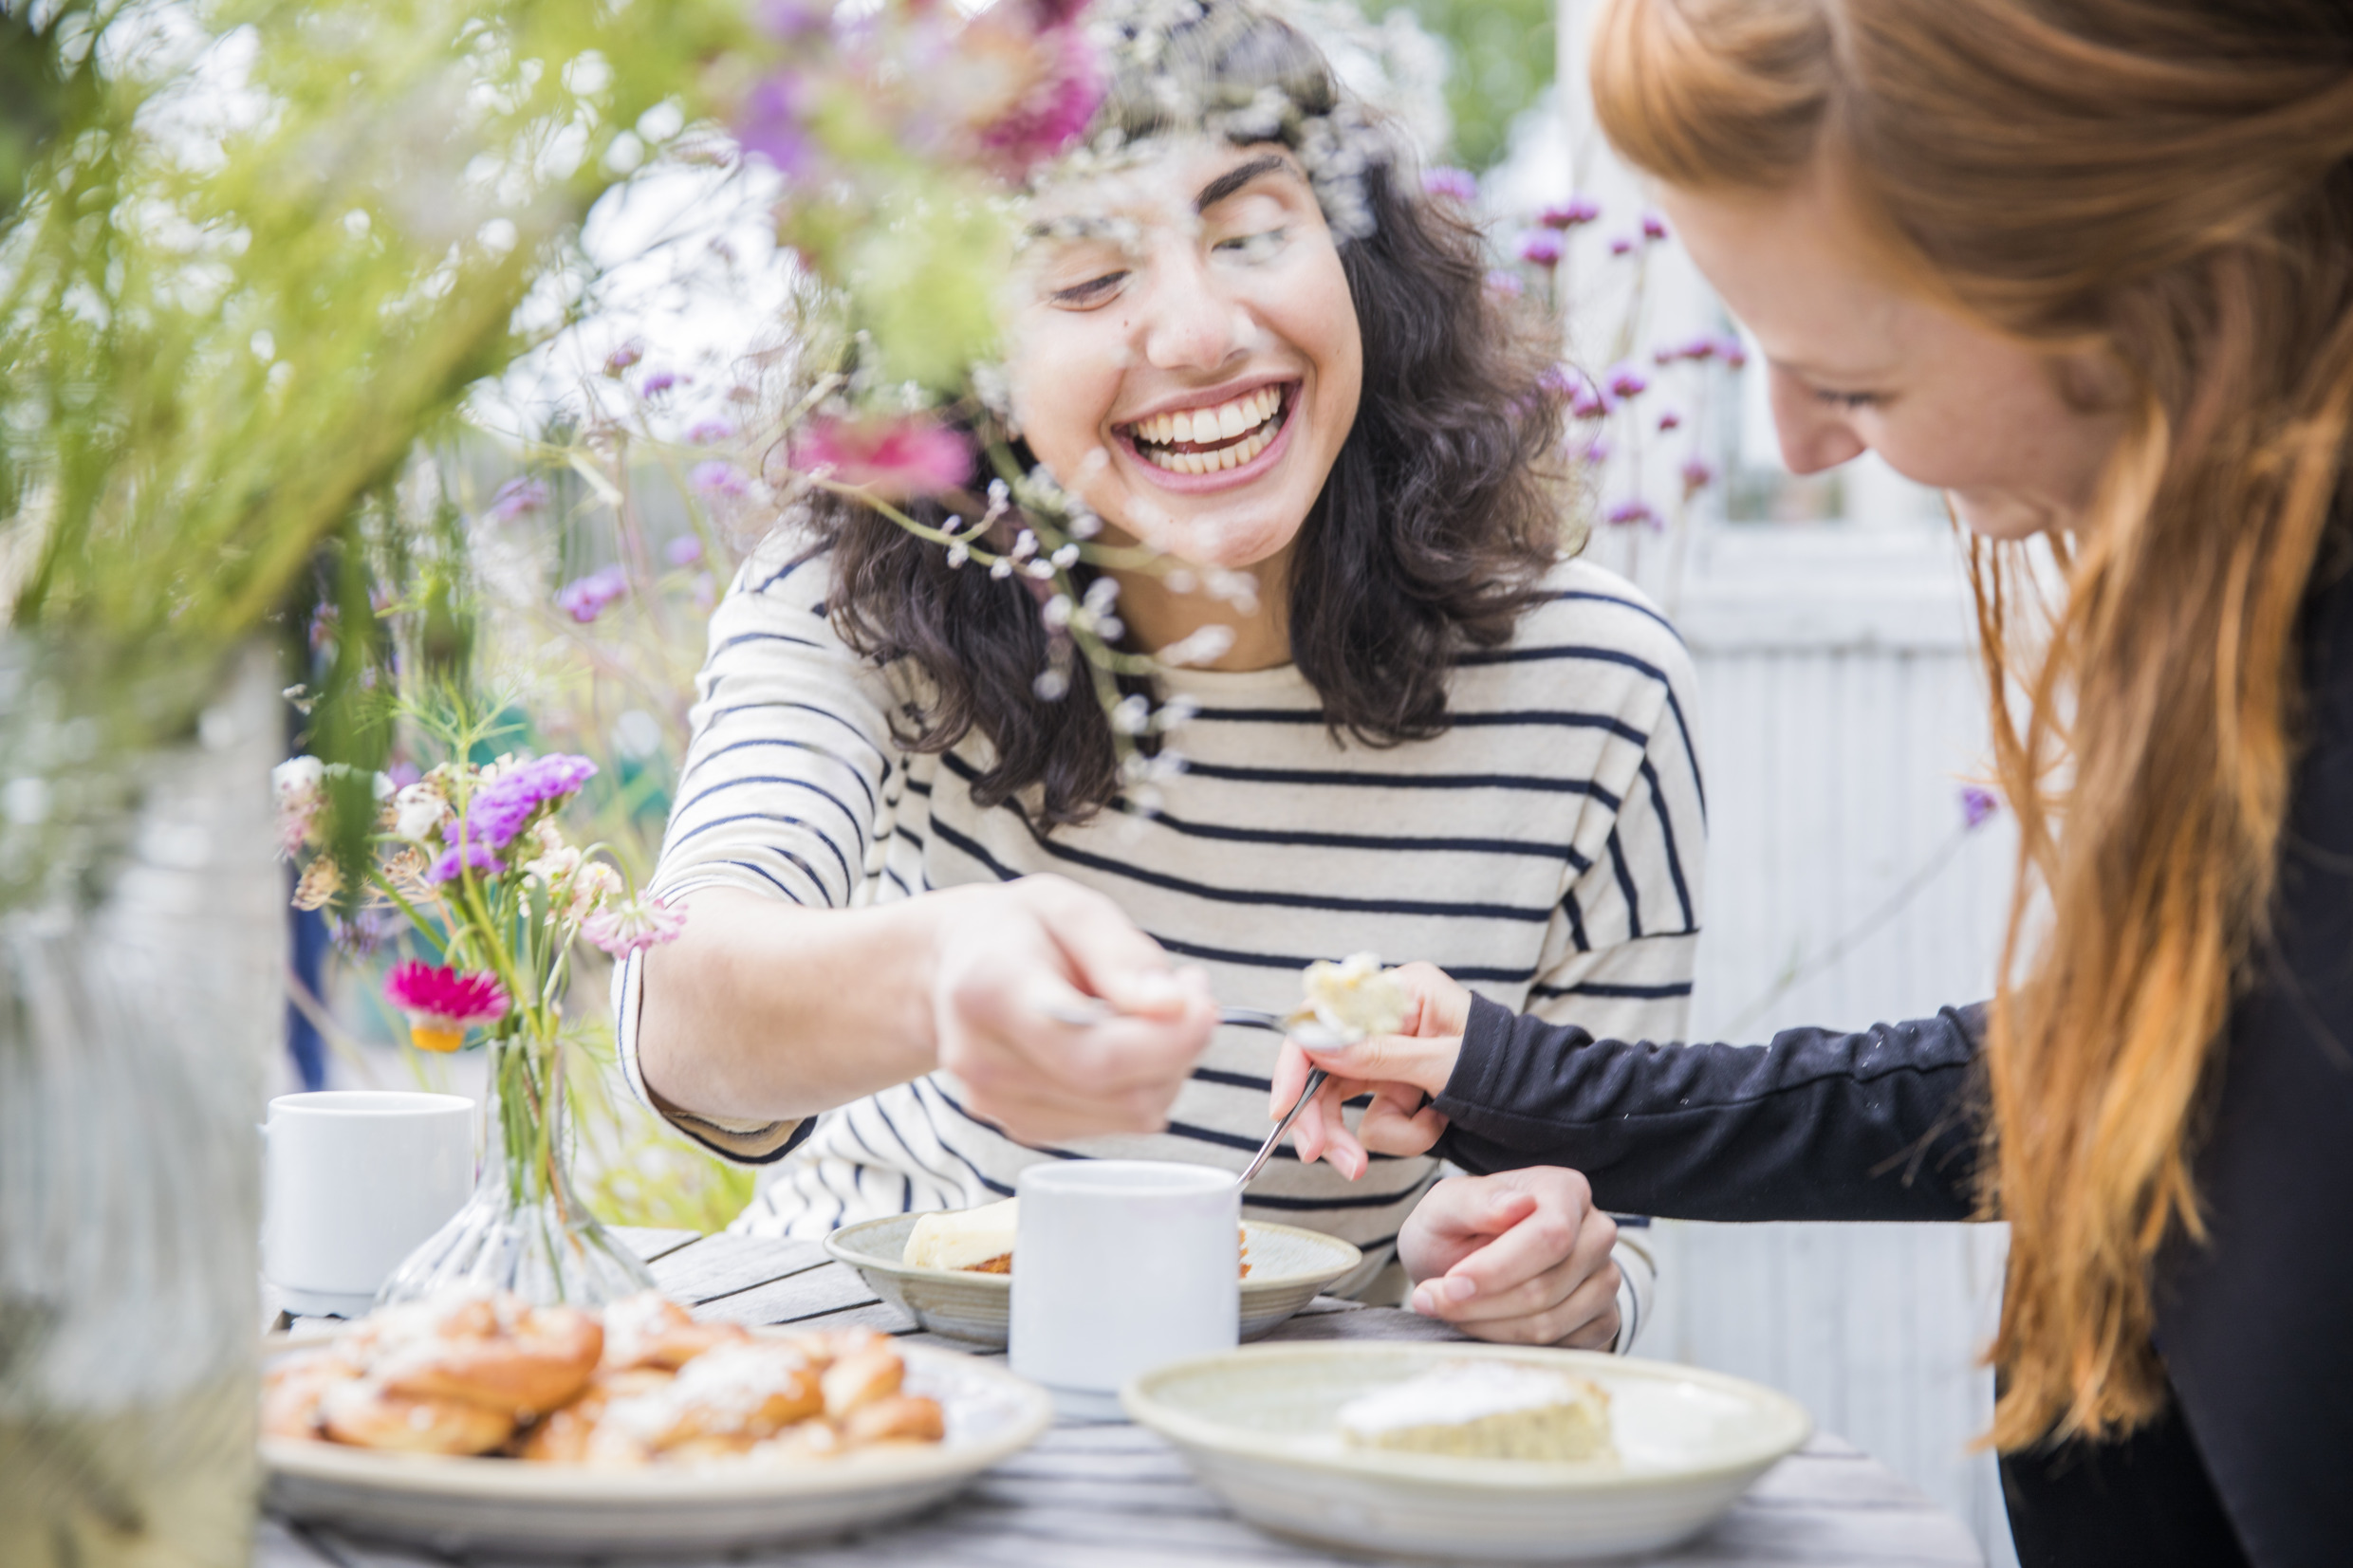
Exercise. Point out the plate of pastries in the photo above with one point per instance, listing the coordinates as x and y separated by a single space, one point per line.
479 1422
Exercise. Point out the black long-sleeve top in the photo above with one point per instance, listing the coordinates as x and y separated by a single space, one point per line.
2253 1459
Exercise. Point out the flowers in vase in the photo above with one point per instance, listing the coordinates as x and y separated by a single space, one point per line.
443 1003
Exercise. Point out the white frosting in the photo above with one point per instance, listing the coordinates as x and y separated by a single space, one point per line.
961 1238
1354 997
1455 1392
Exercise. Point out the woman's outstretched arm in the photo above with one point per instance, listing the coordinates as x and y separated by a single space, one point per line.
1876 1125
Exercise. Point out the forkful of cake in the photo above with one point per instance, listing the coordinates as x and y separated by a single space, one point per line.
1341 1003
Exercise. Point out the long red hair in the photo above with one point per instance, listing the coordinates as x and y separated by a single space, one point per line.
2169 183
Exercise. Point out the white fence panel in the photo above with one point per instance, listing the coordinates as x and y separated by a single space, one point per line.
1842 711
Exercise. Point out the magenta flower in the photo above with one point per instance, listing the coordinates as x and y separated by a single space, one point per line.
704 432
1734 352
1574 213
584 599
1977 805
1697 476
1541 248
716 479
1056 109
683 551
1621 245
894 457
518 498
634 925
1654 227
443 1003
1670 420
658 382
1625 381
1630 512
1453 184
1591 402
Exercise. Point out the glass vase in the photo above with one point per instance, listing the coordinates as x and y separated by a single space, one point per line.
142 996
525 1228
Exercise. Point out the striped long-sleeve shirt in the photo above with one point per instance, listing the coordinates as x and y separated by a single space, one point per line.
1546 849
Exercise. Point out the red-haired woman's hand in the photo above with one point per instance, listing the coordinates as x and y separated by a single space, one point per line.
1400 1071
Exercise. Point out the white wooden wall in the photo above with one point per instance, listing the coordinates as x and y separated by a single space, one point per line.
1842 713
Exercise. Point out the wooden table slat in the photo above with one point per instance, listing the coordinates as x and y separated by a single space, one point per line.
723 1265
652 1242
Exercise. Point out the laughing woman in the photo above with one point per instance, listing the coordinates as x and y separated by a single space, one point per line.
2087 266
1430 732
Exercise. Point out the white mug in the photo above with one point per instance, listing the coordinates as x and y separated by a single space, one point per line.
357 1180
1121 1266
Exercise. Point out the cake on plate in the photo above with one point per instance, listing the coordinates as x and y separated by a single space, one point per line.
1483 1409
979 1241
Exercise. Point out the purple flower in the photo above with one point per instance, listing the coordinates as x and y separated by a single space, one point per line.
622 358
791 20
475 853
772 127
1506 283
1734 352
1621 245
1453 184
1697 476
894 457
715 479
658 382
1626 381
518 498
584 599
1654 227
1558 382
1699 350
1977 804
1588 401
1670 420
1630 512
704 432
1541 248
683 551
1575 212
1595 451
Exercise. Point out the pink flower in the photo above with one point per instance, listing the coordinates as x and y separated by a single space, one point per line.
1654 227
771 126
1670 420
622 358
1697 476
584 599
1058 104
704 432
633 925
1628 513
517 498
660 382
1453 184
1621 245
443 1003
1541 248
896 458
716 479
1571 213
683 551
1626 381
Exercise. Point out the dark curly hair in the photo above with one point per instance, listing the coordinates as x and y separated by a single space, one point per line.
1440 514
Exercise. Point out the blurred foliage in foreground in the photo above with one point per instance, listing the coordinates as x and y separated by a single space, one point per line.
1503 56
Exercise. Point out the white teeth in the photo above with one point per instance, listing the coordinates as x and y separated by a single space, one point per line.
1245 422
1235 419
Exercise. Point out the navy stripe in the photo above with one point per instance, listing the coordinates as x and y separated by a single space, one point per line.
785 570
1576 922
1601 989
900 880
762 871
1504 718
1353 1200
900 1138
1233 1080
950 1102
1346 779
1576 593
1607 656
971 847
1280 960
1625 885
858 822
857 734
1666 831
836 757
773 849
741 638
1000 1189
1284 900
1356 841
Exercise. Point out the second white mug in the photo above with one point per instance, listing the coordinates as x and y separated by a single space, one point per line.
356 1181
1121 1266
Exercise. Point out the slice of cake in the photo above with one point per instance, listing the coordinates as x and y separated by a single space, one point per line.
1483 1409
979 1241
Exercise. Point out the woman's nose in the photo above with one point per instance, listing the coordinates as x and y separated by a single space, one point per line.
1189 323
1815 434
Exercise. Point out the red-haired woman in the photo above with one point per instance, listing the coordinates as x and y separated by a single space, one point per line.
2087 266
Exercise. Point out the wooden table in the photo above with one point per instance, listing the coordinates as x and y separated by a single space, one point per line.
1112 1494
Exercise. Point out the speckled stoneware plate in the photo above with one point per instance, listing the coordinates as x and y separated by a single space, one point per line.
1258 1427
1288 1265
456 1507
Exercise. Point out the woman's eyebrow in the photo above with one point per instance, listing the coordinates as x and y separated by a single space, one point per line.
1234 178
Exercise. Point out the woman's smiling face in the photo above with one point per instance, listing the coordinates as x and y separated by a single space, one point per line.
1185 351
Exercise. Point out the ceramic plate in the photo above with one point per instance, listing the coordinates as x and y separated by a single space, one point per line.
1257 1426
1288 1265
459 1505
